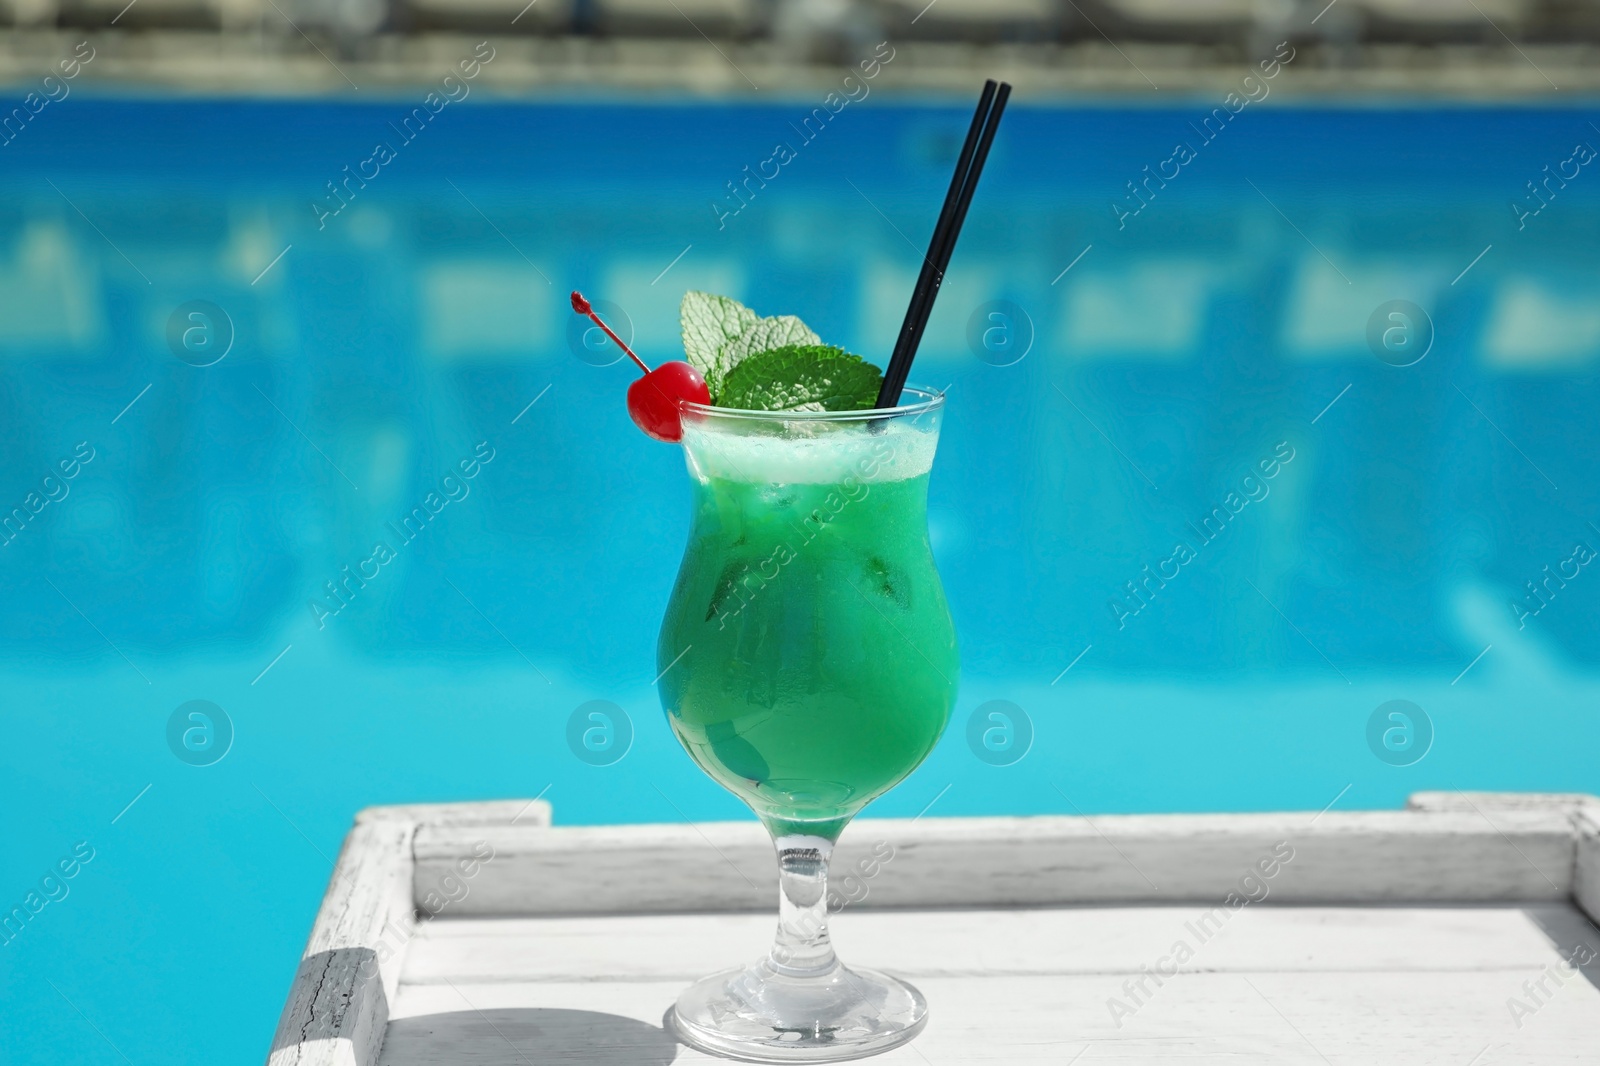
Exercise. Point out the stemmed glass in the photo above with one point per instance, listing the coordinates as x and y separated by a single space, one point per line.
808 665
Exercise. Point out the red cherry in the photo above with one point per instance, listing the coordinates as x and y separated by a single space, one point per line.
654 400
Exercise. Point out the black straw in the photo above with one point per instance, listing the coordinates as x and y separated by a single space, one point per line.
926 276
969 166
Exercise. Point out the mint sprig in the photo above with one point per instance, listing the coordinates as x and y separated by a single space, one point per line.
709 323
770 364
801 377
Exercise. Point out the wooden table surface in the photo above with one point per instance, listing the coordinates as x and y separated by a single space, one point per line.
1324 985
1442 935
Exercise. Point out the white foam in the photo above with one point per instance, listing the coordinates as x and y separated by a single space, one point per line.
813 455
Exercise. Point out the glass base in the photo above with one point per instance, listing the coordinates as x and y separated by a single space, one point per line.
761 1014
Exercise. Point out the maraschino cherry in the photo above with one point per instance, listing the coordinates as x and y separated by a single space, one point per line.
654 400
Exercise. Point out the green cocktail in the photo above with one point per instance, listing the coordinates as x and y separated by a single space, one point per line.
821 663
808 664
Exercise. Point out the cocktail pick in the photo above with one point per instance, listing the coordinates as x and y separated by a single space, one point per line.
654 400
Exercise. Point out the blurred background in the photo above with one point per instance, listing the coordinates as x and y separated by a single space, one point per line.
271 271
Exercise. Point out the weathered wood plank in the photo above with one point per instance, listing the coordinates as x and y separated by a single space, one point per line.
1042 942
338 1005
1416 1018
531 813
1499 801
1371 856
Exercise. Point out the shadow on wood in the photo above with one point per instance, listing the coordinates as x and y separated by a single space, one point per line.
517 1036
1577 941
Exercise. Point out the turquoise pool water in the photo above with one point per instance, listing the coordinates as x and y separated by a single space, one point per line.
1145 373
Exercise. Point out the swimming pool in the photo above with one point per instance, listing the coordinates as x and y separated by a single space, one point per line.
1121 381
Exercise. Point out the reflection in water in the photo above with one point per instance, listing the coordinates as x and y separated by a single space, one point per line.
366 358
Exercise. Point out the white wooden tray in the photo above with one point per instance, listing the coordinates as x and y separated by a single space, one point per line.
1458 931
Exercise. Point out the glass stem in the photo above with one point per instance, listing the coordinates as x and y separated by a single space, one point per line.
802 947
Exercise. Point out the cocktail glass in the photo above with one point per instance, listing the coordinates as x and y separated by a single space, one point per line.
808 665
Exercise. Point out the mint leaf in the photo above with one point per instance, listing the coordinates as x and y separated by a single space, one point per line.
709 323
779 331
802 377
